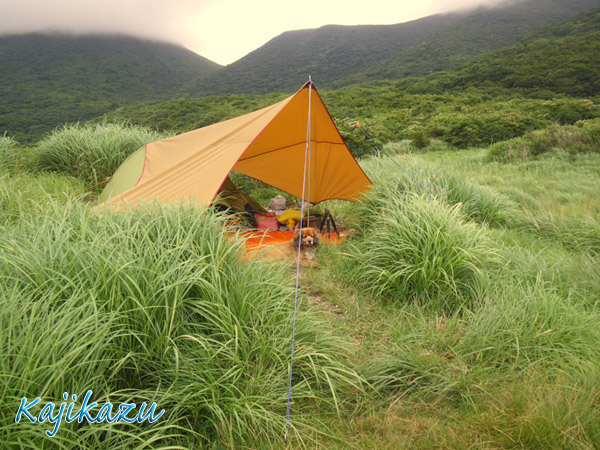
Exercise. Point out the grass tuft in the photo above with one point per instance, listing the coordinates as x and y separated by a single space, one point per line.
91 153
420 250
583 137
25 195
477 202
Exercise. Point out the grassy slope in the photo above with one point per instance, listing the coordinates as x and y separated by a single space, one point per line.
542 185
48 80
544 299
477 34
387 113
503 355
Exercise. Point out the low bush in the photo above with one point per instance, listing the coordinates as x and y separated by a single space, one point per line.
509 150
91 153
584 137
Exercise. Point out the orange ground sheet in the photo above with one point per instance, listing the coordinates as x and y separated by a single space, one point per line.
273 242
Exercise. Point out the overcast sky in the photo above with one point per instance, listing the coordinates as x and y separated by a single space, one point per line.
221 30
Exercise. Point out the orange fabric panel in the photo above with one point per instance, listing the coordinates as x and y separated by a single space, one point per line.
194 165
257 242
268 145
277 156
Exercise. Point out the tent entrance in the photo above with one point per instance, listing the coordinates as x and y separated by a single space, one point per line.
231 197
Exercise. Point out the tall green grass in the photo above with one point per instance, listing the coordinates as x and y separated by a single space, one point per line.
155 305
91 153
9 154
519 371
7 144
558 197
458 300
538 411
422 235
488 294
421 363
420 250
525 327
477 202
24 194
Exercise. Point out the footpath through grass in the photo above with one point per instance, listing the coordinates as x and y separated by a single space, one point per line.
501 354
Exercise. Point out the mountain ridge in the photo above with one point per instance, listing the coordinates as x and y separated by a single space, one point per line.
426 45
325 52
563 58
483 31
76 77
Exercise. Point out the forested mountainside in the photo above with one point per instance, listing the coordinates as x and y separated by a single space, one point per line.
563 58
49 79
477 34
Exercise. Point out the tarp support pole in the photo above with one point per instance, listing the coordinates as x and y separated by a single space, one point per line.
308 139
306 163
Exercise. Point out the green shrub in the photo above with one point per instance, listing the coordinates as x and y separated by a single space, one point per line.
584 137
509 150
418 136
91 153
357 141
483 126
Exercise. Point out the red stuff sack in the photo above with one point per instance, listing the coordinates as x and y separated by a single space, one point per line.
267 222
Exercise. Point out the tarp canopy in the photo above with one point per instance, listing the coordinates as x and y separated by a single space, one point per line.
268 144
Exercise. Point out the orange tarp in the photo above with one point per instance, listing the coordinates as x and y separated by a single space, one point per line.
264 241
268 144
